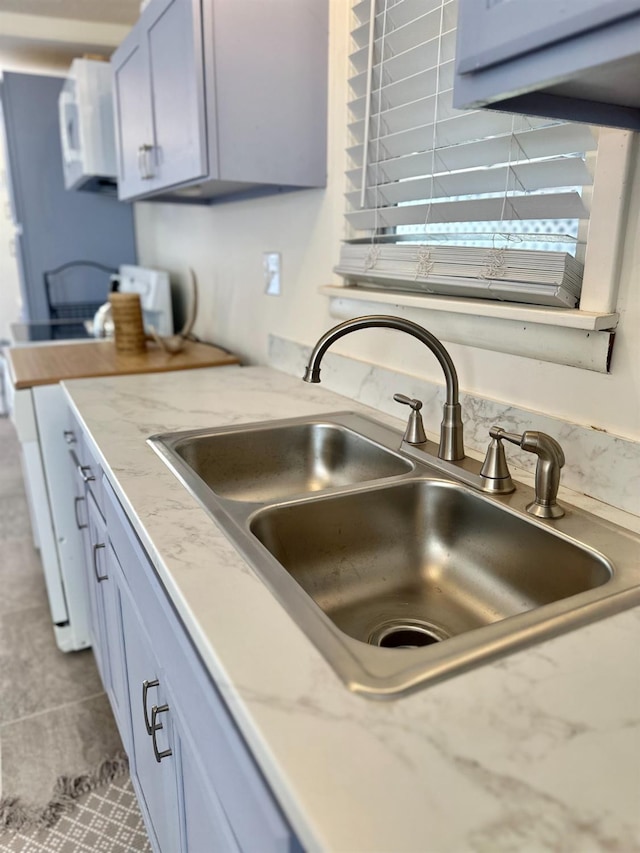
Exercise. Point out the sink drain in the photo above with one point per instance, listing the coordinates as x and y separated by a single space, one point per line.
406 634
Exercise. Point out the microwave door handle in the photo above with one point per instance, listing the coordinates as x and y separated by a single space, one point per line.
66 107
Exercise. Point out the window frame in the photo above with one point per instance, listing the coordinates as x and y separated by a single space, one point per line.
580 337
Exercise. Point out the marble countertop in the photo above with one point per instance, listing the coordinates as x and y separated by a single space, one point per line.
539 750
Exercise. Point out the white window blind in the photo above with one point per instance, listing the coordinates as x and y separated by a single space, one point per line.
468 203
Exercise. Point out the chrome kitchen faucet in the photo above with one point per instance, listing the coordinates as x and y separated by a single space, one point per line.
451 446
493 476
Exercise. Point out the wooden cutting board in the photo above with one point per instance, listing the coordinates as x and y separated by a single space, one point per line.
48 364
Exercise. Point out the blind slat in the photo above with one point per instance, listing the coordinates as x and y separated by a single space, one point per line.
399 13
405 91
523 177
566 205
391 40
403 117
462 127
538 142
412 61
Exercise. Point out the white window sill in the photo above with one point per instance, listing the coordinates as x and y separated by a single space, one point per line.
563 336
570 318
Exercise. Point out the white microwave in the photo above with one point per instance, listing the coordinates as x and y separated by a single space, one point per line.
87 130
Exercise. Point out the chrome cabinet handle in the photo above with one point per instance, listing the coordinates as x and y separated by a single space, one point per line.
79 525
155 726
87 478
144 162
98 546
82 469
145 687
69 436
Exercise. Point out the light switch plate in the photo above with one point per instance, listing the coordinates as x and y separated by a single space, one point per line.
271 266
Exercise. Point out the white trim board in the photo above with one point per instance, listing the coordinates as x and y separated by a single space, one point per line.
575 338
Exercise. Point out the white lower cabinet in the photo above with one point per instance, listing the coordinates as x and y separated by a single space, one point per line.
197 784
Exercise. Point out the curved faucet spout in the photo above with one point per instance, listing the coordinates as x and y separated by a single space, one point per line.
451 442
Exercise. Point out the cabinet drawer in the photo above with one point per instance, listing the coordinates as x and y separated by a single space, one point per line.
254 816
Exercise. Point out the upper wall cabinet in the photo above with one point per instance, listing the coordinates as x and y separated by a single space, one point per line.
571 60
221 97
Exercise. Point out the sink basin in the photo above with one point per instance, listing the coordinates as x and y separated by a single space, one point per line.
419 562
272 462
398 571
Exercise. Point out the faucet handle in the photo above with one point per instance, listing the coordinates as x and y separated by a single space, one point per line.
416 405
497 433
495 475
414 433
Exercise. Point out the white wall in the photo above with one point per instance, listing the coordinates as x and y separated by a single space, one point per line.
224 245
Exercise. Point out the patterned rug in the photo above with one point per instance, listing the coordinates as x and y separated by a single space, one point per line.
92 812
105 820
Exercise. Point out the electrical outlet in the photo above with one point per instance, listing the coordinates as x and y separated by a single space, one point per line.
271 266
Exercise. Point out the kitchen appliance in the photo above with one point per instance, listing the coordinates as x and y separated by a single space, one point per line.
154 290
87 132
155 296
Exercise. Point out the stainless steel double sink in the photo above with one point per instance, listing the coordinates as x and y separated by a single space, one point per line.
398 573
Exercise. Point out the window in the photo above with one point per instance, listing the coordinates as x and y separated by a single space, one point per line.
467 204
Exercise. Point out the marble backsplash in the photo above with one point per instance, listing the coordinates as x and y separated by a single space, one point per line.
598 464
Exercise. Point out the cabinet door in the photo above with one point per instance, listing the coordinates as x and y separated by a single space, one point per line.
153 755
174 49
205 824
81 519
117 689
219 785
96 555
133 116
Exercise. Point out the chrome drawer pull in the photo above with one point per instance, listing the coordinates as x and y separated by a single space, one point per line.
145 687
69 436
155 726
86 477
96 547
79 525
